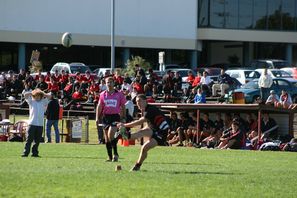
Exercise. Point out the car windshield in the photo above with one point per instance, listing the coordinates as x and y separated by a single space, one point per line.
80 69
251 85
214 72
280 64
281 73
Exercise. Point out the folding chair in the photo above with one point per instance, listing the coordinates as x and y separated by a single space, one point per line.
19 128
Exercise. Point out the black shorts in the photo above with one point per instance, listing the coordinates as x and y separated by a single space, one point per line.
109 120
160 137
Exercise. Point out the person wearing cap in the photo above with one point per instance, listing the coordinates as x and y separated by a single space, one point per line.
234 139
272 99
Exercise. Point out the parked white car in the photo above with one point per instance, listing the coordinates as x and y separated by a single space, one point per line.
243 75
101 71
291 70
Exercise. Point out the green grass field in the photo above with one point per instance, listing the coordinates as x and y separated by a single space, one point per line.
79 170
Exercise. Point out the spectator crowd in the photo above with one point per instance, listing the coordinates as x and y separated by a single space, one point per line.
225 131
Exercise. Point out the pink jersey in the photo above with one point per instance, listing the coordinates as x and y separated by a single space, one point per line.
111 103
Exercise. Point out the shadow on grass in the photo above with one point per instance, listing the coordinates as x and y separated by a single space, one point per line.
184 163
197 173
79 157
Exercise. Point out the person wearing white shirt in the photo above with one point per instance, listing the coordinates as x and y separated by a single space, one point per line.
265 82
129 108
272 99
126 88
102 85
205 82
37 101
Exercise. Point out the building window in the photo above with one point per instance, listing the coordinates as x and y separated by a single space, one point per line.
248 14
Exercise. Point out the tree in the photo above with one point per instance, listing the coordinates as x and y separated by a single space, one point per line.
134 61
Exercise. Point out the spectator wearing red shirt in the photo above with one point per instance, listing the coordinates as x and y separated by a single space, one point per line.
68 89
77 95
118 79
78 77
137 86
88 78
64 79
93 88
196 80
190 78
56 76
85 82
37 76
47 77
53 86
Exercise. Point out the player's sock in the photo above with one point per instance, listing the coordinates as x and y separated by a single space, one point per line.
109 150
114 143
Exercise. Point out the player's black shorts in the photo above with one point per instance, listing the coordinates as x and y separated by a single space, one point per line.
160 136
110 119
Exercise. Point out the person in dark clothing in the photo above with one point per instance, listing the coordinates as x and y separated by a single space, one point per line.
177 80
156 130
42 85
224 82
234 138
14 86
268 127
52 119
22 75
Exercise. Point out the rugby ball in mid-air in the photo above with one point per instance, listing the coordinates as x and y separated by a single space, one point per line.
67 39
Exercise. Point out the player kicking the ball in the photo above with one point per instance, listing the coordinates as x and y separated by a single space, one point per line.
156 130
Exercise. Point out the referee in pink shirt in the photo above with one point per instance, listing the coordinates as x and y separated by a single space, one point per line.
111 109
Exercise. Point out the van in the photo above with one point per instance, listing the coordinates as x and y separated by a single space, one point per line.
269 64
72 68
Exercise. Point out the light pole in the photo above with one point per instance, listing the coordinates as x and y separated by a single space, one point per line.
112 53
